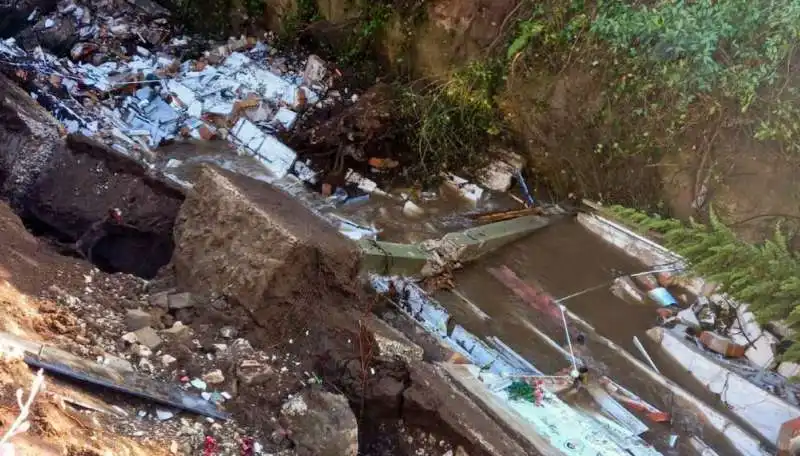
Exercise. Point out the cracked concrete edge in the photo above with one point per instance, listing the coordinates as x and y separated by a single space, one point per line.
515 426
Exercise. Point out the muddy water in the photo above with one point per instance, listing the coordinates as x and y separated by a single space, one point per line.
565 258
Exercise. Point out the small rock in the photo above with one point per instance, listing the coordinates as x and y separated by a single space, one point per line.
322 424
141 351
148 337
137 319
253 373
166 360
145 365
228 332
220 348
178 331
82 340
130 338
160 300
164 415
214 377
116 363
180 301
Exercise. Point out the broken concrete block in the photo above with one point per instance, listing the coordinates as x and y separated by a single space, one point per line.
178 331
148 337
137 319
180 301
315 70
322 424
160 300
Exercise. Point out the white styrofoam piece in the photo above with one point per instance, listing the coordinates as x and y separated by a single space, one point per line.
277 157
286 117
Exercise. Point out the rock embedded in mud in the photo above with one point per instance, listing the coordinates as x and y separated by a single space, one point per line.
228 332
321 424
180 301
177 332
136 319
148 337
253 373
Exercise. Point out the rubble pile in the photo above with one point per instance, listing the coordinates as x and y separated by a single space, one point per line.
715 328
124 83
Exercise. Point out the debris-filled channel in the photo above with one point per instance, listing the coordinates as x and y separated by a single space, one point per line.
251 301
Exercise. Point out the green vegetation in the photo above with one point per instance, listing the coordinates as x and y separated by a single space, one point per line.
372 20
765 275
670 54
521 391
450 125
304 13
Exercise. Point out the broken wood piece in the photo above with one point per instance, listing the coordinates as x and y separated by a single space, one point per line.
499 216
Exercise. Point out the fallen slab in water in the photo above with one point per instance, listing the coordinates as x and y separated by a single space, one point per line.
432 257
763 411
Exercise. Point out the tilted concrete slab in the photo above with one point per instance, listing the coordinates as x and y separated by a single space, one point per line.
391 258
430 257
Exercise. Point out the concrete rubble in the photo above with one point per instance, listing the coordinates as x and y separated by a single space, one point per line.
121 82
714 338
321 424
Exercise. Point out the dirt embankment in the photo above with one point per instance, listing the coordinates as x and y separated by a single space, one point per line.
60 186
562 106
28 271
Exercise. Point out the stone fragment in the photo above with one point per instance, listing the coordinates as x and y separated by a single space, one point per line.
180 301
148 337
167 360
315 70
228 332
321 424
141 351
252 373
136 319
130 338
178 331
214 377
160 300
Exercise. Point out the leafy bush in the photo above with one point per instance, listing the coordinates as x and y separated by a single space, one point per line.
766 276
451 124
736 46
